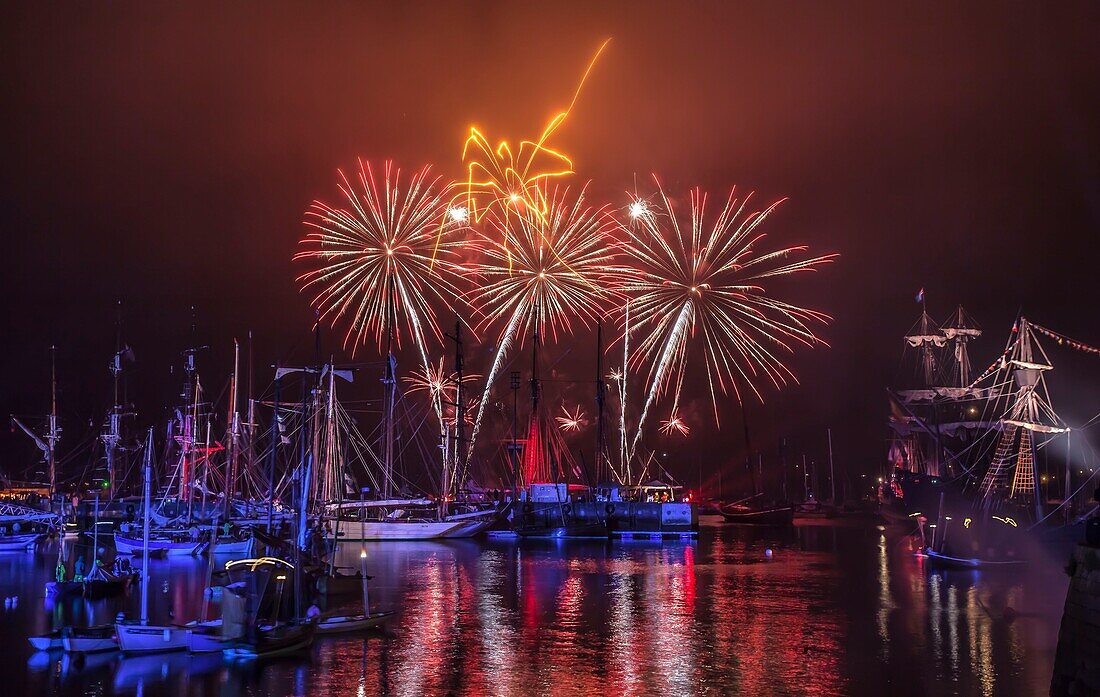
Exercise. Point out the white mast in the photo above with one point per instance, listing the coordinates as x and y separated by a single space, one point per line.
55 433
148 469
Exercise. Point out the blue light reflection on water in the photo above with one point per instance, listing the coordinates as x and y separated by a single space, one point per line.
835 610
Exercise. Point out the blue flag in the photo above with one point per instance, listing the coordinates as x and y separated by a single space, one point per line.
920 295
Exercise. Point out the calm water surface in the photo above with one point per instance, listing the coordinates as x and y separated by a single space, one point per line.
834 610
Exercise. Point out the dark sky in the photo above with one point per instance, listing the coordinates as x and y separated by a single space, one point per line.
162 154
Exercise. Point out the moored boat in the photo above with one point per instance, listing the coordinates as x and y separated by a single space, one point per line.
90 639
135 637
47 642
342 624
746 514
270 641
158 546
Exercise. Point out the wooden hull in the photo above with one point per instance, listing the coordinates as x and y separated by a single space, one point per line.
743 515
274 641
148 638
342 624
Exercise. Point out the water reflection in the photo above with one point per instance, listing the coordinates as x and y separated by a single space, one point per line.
832 610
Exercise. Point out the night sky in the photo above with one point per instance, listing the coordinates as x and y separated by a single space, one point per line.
162 154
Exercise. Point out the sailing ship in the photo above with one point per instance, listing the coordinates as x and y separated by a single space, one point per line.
965 456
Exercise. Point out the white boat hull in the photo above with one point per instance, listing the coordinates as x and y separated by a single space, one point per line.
89 644
148 638
47 642
241 548
18 543
129 545
360 531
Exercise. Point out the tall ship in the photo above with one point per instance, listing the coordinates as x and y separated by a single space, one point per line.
975 462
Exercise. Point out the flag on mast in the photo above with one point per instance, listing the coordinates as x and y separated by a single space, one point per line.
920 295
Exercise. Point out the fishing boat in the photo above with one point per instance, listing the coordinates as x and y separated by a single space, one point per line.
95 639
748 514
140 636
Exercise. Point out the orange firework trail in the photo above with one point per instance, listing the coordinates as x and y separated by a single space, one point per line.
697 284
509 180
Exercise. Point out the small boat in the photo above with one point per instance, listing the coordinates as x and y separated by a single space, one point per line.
90 639
158 546
47 642
342 624
206 637
99 584
746 514
18 543
813 508
273 640
135 637
232 546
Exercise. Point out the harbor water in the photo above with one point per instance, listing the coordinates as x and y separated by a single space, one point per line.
818 609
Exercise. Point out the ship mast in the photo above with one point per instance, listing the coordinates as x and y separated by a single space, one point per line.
234 425
54 432
112 435
960 330
600 463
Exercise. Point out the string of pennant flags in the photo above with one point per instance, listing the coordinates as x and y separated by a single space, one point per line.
996 364
1061 339
1064 340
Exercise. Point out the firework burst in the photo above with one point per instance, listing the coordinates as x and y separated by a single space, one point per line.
441 385
675 425
543 273
372 257
700 282
571 421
